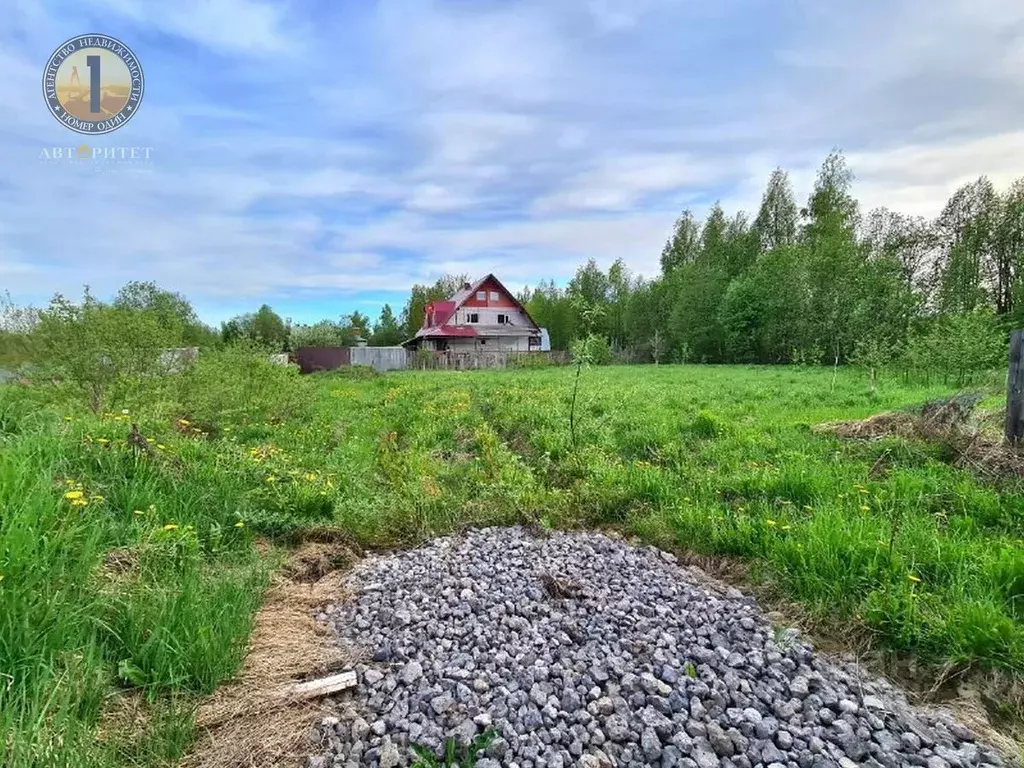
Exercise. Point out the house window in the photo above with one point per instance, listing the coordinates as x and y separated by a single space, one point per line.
494 296
483 341
474 317
481 295
502 319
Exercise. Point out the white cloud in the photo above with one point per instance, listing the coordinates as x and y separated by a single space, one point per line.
332 154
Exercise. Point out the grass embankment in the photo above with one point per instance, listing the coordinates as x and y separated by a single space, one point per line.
152 583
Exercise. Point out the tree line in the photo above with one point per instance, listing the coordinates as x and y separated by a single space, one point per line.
819 283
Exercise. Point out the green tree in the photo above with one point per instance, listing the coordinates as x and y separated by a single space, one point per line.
173 309
684 245
966 258
387 332
776 222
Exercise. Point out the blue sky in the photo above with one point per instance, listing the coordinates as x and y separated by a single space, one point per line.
323 155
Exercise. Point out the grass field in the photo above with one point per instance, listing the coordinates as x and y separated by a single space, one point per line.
132 571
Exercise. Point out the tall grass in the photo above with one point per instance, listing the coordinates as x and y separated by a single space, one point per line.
148 589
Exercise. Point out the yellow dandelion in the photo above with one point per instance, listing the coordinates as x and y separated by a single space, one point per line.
309 477
79 502
865 509
73 495
271 479
239 524
171 527
913 579
770 523
183 422
161 446
67 418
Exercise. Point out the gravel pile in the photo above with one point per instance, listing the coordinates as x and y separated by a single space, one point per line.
577 649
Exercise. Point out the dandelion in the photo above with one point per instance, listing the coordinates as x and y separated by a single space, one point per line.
161 446
102 440
865 509
770 523
79 502
183 422
239 524
271 479
913 579
72 495
309 477
67 418
171 527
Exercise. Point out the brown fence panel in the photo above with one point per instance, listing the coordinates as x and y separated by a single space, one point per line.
322 358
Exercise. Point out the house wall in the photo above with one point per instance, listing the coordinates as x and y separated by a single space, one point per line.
489 316
490 344
490 287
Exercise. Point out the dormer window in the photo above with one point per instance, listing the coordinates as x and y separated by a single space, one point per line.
481 295
495 296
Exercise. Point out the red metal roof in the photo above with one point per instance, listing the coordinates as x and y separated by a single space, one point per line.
443 310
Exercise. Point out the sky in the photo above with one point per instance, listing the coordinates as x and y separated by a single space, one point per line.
324 155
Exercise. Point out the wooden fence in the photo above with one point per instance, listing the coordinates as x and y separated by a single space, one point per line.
312 359
468 361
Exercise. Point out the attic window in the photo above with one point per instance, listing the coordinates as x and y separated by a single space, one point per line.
495 296
474 318
481 295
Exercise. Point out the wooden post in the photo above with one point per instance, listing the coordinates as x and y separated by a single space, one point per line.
1015 389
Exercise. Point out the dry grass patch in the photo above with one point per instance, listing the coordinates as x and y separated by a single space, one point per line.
250 722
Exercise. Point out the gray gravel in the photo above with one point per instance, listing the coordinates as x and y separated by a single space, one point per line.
624 659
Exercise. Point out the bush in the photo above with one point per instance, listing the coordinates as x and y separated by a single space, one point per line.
592 349
240 383
956 347
96 347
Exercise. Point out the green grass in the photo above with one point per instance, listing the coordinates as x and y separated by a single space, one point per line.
152 585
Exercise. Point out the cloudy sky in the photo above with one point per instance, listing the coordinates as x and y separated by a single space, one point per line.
323 155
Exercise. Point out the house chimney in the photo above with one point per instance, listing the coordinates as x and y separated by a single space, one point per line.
465 286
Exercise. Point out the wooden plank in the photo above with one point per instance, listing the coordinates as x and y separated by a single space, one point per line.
1015 389
325 686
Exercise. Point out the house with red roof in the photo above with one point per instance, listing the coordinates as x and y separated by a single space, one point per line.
481 317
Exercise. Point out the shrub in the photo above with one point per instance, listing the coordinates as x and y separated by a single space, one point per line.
95 347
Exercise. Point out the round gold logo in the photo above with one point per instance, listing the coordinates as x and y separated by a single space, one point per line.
93 84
